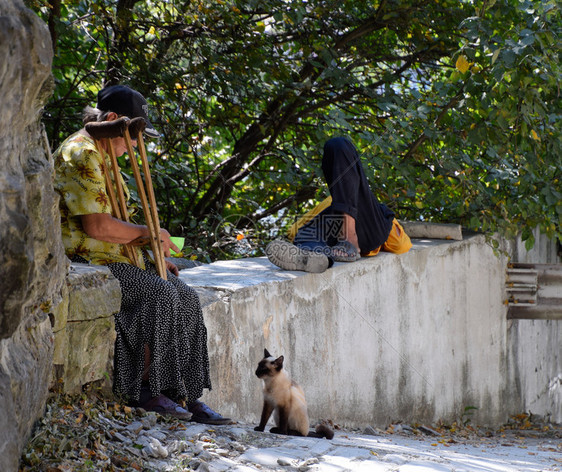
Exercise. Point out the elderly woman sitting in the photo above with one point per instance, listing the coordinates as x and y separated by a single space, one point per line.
161 354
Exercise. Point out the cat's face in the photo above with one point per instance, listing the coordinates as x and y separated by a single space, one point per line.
269 366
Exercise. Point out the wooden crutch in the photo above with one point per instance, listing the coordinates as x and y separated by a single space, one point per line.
105 131
118 128
136 126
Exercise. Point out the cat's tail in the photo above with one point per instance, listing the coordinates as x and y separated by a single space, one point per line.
322 430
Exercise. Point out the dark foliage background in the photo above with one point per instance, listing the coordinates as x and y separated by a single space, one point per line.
455 106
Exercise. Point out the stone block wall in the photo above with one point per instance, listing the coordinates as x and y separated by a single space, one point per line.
84 328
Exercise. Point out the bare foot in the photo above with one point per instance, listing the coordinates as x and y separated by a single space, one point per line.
348 231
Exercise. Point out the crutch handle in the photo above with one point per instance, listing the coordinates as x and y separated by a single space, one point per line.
107 129
136 125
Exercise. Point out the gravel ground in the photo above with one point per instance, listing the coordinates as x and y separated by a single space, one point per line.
90 433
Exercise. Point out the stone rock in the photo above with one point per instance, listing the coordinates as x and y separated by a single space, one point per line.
117 435
370 431
198 448
29 233
237 446
149 420
84 327
158 435
428 431
32 262
203 467
307 464
135 427
205 456
158 449
182 263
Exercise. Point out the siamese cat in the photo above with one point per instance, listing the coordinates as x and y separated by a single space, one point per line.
284 397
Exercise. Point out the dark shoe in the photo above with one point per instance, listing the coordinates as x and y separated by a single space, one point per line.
290 257
166 407
344 251
203 414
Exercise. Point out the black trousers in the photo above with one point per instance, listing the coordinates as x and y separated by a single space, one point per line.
351 194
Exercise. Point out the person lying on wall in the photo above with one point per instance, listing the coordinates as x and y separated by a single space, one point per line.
347 225
161 359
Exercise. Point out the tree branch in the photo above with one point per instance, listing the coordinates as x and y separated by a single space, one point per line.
423 137
302 194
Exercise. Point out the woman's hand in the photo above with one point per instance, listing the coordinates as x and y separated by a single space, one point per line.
172 267
105 227
167 243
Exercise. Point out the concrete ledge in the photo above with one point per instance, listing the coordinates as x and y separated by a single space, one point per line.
415 337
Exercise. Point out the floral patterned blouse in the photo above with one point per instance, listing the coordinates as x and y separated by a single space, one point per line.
80 182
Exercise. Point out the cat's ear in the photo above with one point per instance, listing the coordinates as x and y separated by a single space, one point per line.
279 362
266 353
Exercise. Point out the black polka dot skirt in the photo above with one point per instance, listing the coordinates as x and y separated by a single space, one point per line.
167 317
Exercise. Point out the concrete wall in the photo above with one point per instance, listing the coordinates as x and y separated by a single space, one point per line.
416 338
536 345
536 365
